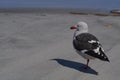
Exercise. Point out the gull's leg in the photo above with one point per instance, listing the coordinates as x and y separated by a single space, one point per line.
87 64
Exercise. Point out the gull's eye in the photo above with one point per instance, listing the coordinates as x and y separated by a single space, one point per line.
78 26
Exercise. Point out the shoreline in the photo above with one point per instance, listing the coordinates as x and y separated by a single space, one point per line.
74 11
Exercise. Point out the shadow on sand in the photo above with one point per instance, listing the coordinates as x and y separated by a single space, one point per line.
76 66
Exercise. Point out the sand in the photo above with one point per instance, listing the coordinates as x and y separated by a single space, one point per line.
38 46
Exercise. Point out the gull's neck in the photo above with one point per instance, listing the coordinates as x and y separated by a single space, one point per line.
80 31
77 32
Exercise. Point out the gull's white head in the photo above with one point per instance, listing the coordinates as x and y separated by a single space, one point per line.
81 27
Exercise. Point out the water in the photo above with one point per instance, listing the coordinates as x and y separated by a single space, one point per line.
96 4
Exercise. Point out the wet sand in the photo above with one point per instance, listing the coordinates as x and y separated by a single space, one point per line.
38 46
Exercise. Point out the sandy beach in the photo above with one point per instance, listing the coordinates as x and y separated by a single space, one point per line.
38 46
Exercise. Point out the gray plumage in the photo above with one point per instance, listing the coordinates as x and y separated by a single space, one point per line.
90 43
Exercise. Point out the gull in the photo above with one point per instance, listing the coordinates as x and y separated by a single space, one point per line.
86 44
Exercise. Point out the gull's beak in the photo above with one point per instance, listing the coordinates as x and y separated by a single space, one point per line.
73 27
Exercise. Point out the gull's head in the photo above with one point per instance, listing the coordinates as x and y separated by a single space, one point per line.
80 26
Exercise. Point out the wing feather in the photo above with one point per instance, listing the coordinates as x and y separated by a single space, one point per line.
90 43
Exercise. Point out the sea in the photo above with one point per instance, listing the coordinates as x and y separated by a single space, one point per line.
95 4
